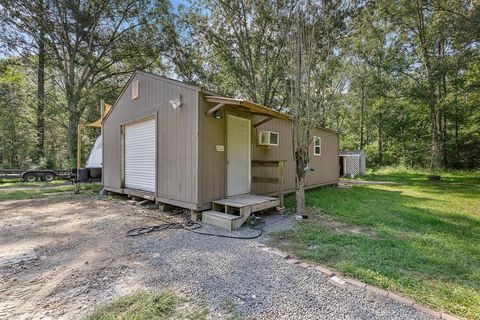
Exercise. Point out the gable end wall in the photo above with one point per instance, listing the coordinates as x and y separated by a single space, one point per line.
177 132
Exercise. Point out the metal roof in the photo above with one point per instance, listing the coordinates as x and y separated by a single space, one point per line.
250 106
254 108
245 104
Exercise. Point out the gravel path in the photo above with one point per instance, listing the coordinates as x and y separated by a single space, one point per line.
86 259
260 285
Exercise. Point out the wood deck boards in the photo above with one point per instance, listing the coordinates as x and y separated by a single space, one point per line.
231 213
221 215
244 200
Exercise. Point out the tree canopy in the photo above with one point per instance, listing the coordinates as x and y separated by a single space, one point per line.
398 79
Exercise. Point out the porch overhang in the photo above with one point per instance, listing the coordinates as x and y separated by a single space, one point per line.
244 105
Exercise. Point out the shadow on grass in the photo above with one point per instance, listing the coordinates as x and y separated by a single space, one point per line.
427 244
452 177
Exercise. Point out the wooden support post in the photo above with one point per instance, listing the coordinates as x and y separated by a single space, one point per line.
212 110
262 122
102 110
195 215
281 181
163 207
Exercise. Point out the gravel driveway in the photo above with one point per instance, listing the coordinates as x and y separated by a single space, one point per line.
86 259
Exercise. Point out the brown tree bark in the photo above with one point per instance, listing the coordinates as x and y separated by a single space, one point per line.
73 122
300 195
301 162
435 117
380 138
456 125
437 136
362 115
40 126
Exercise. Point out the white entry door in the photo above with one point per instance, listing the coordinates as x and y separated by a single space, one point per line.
139 156
238 156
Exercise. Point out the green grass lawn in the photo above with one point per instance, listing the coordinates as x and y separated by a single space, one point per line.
5 194
401 174
38 183
416 237
146 306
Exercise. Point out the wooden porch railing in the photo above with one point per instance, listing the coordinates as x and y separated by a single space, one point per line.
279 179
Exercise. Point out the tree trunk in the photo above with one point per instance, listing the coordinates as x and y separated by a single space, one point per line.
300 194
444 142
437 142
300 152
455 119
362 116
457 154
301 162
437 137
40 127
380 139
445 137
403 130
72 138
73 122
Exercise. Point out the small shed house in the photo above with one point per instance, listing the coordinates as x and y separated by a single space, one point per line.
352 162
186 146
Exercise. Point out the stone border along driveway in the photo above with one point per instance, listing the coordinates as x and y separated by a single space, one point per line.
261 282
337 279
86 258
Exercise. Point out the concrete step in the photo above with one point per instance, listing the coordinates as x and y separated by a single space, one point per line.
220 219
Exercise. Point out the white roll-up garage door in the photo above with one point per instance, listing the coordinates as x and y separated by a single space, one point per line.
140 146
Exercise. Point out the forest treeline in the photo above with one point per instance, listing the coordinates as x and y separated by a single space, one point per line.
399 79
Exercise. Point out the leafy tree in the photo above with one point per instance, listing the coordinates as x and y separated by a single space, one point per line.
16 134
313 32
244 46
90 41
427 29
23 31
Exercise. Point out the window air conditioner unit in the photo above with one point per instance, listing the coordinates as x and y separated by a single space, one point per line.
267 138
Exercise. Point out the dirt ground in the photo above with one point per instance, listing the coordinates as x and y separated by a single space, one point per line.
85 259
82 255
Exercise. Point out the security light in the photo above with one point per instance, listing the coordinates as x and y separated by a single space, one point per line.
177 102
217 115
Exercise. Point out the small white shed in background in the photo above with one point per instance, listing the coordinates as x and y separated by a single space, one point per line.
352 162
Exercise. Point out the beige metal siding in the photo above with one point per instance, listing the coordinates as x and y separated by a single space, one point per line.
212 175
212 163
177 130
284 151
326 166
326 169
